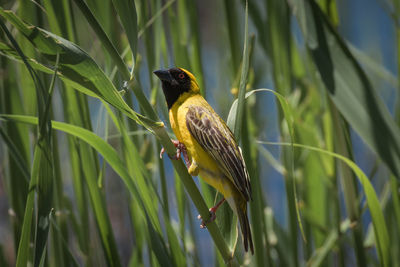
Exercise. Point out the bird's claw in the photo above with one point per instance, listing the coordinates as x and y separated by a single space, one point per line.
180 148
213 214
212 218
177 156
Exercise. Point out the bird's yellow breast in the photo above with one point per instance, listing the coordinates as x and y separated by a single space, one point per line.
208 169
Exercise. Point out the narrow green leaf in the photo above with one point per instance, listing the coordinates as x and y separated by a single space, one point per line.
45 178
42 171
104 38
232 21
284 104
372 66
77 65
227 222
57 231
16 137
195 43
278 24
394 184
378 220
23 247
127 13
243 78
112 158
272 161
321 252
9 52
351 91
15 154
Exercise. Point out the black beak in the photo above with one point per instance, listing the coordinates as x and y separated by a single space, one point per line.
164 75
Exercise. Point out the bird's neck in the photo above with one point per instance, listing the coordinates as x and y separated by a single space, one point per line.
180 99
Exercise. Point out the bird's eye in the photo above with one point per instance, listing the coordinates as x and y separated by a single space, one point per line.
181 75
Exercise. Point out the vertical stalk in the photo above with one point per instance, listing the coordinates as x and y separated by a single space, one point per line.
256 206
195 41
232 26
278 49
347 178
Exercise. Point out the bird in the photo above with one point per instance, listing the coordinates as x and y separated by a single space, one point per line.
208 146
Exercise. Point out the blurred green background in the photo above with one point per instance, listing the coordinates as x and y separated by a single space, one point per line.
317 116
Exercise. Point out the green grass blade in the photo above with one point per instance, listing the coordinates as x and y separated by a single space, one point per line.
58 231
351 91
17 140
348 182
288 115
330 241
45 178
378 220
231 20
76 65
71 105
278 23
16 155
372 66
90 174
23 254
284 104
48 44
181 55
112 158
137 169
126 10
243 79
195 195
104 38
44 200
189 184
195 41
256 206
52 17
42 172
396 200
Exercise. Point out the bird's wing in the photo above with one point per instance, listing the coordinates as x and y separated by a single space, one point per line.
215 138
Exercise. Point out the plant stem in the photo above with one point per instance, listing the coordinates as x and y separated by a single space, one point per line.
104 39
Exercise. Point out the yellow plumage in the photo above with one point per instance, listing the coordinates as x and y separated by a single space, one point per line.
211 148
202 163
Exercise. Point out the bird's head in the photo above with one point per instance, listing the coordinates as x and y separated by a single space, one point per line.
176 82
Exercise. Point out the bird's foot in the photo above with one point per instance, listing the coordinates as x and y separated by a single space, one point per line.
213 214
180 148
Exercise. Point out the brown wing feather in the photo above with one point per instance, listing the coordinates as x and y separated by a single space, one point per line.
214 137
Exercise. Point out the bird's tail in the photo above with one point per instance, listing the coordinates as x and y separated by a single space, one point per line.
245 227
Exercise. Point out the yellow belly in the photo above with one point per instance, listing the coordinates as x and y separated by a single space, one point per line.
208 168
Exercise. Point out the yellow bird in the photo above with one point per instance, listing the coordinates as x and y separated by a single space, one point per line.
209 147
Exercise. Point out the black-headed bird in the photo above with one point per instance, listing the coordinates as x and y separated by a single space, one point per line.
207 144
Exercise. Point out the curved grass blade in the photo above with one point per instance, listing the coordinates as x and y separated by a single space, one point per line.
378 220
112 158
77 65
15 154
165 141
104 38
350 89
288 114
42 175
126 10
